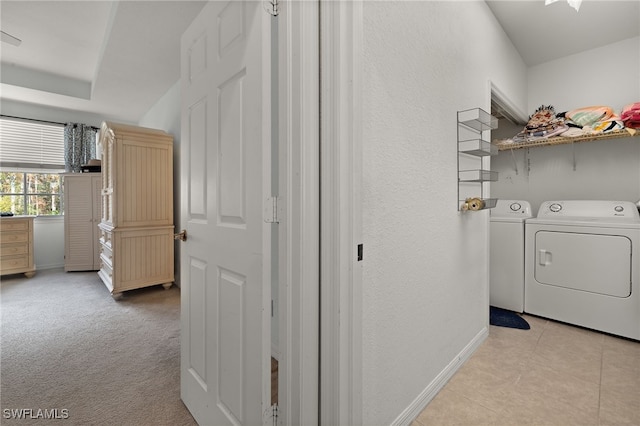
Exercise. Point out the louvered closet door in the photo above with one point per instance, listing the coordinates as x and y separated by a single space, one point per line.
79 222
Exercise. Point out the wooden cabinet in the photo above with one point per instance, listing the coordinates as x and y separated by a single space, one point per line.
136 229
82 215
16 246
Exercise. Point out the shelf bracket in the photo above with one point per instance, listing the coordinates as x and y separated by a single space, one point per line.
515 163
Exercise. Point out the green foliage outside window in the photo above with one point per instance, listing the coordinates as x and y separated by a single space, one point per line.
30 193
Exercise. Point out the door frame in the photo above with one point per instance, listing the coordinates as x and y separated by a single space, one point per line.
320 162
341 32
299 198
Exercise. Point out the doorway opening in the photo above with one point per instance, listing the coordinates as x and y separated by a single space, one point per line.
274 381
508 115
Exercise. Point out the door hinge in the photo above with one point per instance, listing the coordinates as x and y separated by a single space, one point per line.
274 414
272 7
272 207
270 415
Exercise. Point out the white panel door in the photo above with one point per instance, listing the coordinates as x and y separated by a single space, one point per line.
225 179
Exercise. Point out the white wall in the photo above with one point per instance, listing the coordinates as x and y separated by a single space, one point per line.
607 75
605 170
165 115
48 242
425 271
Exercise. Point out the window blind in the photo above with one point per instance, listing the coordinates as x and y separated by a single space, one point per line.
31 144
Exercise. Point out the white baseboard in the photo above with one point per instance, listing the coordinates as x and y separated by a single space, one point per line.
415 408
49 266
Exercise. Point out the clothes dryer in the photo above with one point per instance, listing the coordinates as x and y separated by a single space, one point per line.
506 269
582 265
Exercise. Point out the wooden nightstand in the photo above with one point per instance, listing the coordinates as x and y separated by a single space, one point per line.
16 246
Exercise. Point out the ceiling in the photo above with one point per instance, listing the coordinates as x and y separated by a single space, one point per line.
113 59
116 59
543 33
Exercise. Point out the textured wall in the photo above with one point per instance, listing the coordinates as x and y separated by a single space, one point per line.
607 75
425 276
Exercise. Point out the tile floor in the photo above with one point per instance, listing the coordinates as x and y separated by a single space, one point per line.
552 374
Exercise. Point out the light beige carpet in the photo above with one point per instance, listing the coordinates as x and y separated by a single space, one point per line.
69 350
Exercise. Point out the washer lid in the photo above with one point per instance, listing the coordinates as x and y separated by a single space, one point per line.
511 211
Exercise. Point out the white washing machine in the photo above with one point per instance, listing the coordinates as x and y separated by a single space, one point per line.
582 265
506 270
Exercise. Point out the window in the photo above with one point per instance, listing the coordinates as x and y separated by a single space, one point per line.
31 156
30 193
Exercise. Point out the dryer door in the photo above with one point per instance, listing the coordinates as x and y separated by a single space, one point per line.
592 263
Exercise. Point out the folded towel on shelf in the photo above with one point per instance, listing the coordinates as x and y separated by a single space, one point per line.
587 116
550 133
572 132
604 126
630 115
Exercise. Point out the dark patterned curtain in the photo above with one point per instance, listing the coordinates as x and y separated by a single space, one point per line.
79 146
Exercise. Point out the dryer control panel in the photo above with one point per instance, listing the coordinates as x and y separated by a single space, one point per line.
589 210
511 208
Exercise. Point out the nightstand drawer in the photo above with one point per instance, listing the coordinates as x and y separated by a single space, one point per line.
13 237
13 249
13 262
14 225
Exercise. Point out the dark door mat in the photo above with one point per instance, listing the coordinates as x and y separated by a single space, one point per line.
504 318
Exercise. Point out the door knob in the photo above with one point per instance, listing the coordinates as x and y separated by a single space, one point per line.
182 236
